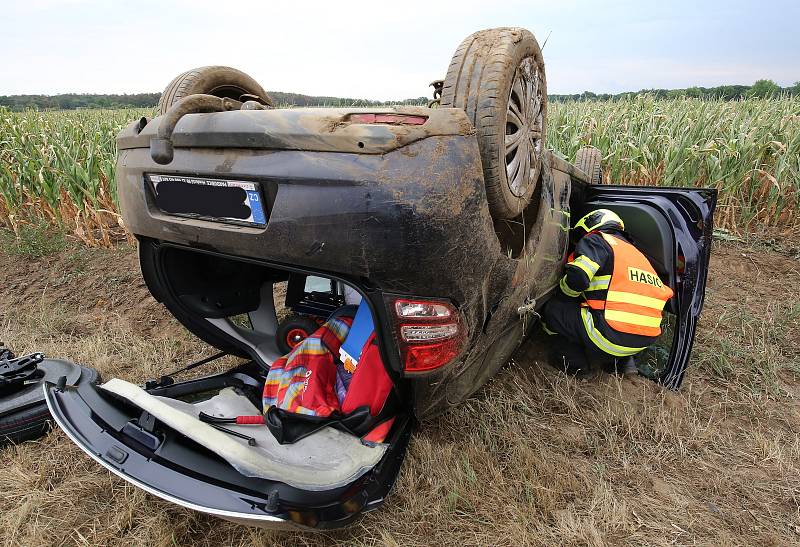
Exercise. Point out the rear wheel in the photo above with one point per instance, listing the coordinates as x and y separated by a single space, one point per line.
497 77
589 160
220 81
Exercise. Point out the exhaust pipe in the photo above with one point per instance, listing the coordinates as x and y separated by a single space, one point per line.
161 149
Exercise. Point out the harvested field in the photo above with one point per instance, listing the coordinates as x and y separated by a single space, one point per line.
535 458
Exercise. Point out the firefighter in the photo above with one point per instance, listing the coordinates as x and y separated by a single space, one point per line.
609 303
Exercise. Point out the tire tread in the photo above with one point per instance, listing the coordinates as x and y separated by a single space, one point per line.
480 74
194 81
589 160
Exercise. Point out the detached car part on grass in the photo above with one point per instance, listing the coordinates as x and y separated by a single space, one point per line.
458 210
23 410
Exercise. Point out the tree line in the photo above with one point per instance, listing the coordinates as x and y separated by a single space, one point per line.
74 101
762 88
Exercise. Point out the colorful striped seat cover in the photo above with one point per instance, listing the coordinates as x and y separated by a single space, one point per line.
312 381
304 381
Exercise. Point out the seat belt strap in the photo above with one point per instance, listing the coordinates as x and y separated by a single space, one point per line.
360 331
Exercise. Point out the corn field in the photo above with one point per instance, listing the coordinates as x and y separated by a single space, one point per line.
58 166
749 150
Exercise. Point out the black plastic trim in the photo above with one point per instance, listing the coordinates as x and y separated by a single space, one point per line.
184 473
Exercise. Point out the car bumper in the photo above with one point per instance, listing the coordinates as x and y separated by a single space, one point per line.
189 481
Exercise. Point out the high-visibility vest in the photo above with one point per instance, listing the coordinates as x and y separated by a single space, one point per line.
636 295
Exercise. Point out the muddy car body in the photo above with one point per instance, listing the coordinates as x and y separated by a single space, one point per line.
391 202
403 216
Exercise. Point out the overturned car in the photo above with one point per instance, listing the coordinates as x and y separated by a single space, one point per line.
388 259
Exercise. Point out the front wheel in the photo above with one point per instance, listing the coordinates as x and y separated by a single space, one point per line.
589 160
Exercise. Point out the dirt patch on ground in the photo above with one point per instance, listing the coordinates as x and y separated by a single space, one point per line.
535 458
89 282
751 277
91 306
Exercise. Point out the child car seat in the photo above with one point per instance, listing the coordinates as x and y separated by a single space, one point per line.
335 377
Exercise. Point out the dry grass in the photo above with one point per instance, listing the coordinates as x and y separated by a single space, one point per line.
536 458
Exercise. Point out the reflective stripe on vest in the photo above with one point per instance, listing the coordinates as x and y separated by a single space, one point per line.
601 341
586 264
636 296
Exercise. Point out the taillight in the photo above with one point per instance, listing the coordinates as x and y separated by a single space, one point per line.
429 333
394 119
426 333
416 309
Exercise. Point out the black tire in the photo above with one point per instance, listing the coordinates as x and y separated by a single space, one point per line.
220 81
290 324
481 80
589 160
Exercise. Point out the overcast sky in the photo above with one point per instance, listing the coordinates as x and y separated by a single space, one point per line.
389 50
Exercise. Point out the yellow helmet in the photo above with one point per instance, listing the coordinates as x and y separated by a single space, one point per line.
597 220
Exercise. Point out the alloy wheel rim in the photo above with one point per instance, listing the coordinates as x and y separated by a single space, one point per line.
524 128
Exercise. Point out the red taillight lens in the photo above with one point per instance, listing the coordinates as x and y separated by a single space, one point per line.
395 119
429 333
431 356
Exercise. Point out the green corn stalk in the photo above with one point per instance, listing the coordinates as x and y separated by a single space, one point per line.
748 149
45 155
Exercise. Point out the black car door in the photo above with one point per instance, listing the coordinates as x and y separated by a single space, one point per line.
673 227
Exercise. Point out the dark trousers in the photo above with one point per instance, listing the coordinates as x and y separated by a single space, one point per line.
571 345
